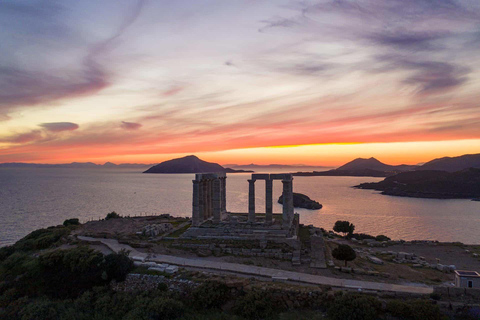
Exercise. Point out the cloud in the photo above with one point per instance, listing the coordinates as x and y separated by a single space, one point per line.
130 125
22 138
21 86
59 126
408 40
429 76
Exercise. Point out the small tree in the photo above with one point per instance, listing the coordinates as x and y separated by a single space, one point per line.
344 227
344 252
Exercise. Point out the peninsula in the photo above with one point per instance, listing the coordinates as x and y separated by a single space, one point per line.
464 184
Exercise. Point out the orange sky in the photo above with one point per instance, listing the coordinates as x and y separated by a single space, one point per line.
236 82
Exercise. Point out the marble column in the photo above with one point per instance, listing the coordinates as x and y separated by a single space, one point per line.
251 200
209 199
224 194
196 203
287 213
217 199
268 201
201 203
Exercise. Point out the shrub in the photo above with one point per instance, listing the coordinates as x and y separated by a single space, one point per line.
362 236
118 265
255 305
41 309
71 222
210 294
381 237
344 252
354 307
112 215
5 252
416 310
41 238
166 308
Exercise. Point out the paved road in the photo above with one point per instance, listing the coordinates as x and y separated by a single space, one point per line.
260 271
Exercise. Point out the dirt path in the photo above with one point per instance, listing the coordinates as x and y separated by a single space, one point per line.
259 271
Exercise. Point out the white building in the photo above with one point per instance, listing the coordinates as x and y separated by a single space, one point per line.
467 279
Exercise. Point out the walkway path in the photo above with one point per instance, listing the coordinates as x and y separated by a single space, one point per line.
260 271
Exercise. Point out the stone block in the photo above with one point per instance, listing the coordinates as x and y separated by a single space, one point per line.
375 260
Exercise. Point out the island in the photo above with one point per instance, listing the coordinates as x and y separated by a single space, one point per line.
362 167
302 201
189 164
463 184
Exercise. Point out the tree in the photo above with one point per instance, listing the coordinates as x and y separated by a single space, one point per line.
344 252
344 227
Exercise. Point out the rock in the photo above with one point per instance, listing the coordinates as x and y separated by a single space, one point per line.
153 230
375 260
302 201
171 269
204 252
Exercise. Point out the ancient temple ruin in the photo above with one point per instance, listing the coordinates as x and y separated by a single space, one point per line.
210 218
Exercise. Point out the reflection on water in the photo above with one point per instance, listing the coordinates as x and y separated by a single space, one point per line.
35 198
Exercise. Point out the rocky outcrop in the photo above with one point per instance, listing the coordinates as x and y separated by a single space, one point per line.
302 201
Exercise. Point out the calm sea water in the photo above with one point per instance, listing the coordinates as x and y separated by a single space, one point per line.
36 198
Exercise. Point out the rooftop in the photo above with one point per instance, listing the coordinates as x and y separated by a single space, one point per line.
464 273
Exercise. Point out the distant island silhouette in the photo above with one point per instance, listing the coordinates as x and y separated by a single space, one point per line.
76 165
372 167
189 164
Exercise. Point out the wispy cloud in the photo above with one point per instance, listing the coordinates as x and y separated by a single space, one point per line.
130 125
59 126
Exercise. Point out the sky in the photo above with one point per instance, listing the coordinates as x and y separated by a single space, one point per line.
262 81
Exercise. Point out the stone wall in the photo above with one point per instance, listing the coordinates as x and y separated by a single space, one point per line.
207 249
458 294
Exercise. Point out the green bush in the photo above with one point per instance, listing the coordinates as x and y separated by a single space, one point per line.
41 310
255 305
71 222
118 265
354 307
416 310
5 252
210 294
112 215
166 308
382 237
41 238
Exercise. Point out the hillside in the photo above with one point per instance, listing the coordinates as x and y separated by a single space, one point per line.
452 164
373 164
189 164
361 167
463 184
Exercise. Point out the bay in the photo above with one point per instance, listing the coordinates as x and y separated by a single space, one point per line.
33 198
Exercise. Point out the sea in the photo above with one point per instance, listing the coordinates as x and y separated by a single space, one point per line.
33 198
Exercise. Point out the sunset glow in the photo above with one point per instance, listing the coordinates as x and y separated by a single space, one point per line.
312 82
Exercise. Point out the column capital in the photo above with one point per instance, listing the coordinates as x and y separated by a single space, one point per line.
251 180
